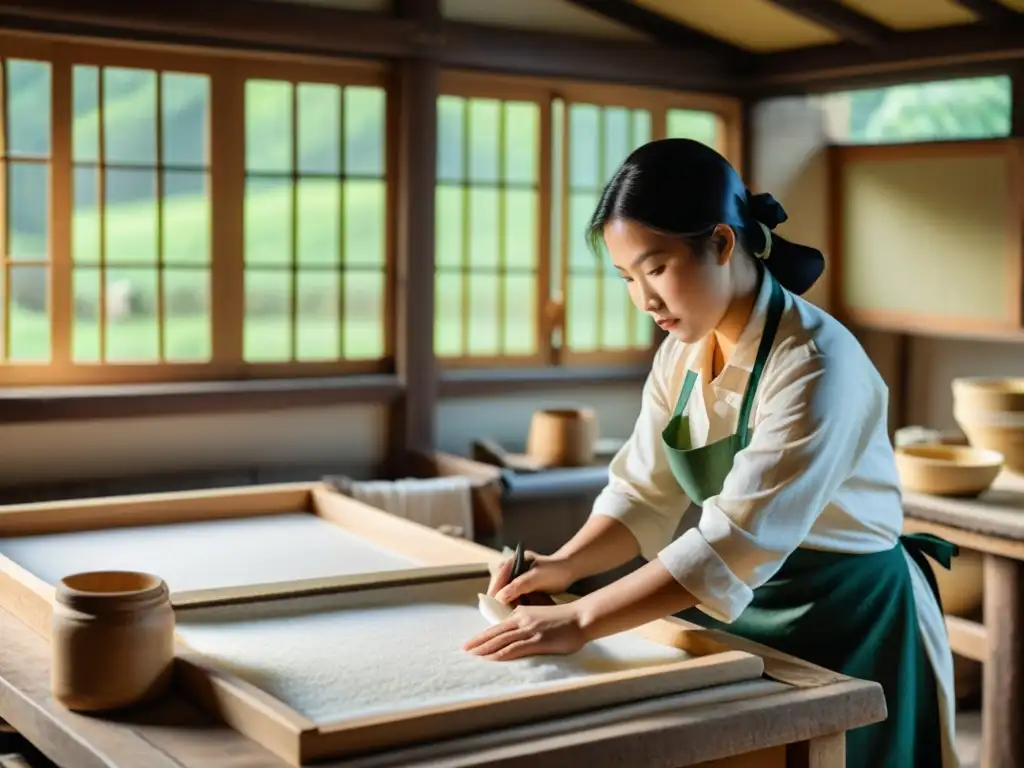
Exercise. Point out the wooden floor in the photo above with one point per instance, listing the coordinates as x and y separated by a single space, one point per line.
968 738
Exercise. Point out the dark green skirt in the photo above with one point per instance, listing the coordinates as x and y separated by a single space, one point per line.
856 615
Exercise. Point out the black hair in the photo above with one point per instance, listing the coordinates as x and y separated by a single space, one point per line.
684 189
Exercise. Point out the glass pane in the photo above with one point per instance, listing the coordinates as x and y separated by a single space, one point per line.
5 310
364 315
319 219
188 327
268 223
268 126
186 211
691 124
28 108
85 222
449 226
484 314
365 223
581 209
132 327
522 126
268 316
130 216
615 316
584 151
968 108
85 330
129 116
319 128
319 325
617 141
365 115
521 228
643 334
28 211
85 130
484 233
186 112
450 138
581 310
520 314
448 314
483 140
641 127
30 315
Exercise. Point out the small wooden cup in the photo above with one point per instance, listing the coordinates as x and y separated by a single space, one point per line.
562 437
112 643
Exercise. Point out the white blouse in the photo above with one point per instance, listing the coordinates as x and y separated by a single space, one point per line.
818 472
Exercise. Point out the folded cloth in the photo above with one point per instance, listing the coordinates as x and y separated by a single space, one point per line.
444 503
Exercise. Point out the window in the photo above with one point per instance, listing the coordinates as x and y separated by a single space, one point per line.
951 110
489 252
521 166
184 217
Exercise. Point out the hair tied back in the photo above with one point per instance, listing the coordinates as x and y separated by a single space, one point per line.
765 209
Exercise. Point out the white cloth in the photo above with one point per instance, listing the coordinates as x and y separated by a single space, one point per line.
819 471
438 502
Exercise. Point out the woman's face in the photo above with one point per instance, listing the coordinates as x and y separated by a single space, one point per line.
685 293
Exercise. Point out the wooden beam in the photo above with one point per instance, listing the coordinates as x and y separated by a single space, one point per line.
841 19
956 51
414 155
260 26
661 28
989 11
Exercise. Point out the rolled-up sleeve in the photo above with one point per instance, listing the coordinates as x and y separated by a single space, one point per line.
641 492
812 422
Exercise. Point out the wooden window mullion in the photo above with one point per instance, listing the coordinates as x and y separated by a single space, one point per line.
227 215
61 210
545 200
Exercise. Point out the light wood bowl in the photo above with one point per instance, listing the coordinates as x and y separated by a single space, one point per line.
990 411
947 470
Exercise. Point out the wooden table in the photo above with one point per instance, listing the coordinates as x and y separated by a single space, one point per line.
797 717
992 524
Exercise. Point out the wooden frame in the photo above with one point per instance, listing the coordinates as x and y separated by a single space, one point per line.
29 597
443 560
1012 324
296 739
227 74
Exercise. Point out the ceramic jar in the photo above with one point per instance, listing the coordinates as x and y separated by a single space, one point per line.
112 642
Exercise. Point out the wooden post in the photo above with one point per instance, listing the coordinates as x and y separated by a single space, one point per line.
414 153
1002 713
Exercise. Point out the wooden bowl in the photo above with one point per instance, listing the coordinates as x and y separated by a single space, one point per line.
990 411
947 470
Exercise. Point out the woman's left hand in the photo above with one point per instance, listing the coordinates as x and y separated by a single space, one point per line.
530 631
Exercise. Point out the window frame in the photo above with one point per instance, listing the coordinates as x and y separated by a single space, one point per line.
227 72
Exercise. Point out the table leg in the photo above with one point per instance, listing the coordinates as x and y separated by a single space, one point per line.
822 752
1002 713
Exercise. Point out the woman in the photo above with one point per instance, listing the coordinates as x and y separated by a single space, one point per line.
764 411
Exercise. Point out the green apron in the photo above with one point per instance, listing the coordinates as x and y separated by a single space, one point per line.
852 613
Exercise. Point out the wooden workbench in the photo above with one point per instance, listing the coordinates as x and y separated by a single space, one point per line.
992 524
760 723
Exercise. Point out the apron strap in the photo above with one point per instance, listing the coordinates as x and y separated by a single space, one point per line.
918 545
691 377
776 304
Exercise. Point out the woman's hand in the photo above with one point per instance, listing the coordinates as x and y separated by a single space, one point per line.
529 631
549 574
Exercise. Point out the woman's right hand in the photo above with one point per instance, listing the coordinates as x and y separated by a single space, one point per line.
548 574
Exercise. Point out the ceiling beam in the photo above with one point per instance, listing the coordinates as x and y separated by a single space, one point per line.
258 25
945 52
849 24
989 11
658 27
